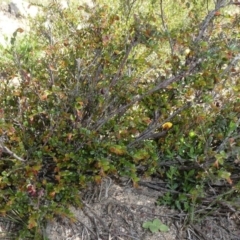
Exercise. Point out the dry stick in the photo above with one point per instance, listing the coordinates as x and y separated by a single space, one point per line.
108 185
86 227
94 214
7 150
173 79
138 98
123 63
200 235
91 219
87 233
220 4
168 81
96 227
148 134
164 84
118 75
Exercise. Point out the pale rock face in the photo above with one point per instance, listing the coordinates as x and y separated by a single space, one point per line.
13 16
20 8
13 9
24 9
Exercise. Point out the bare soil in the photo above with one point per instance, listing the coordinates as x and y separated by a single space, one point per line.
112 211
117 211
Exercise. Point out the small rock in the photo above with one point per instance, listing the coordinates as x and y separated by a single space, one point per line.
14 10
20 8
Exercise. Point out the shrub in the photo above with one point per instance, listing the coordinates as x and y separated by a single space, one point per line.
95 93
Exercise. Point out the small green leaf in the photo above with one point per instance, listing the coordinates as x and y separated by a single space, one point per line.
157 222
232 126
163 228
154 228
221 157
224 174
146 224
155 225
192 134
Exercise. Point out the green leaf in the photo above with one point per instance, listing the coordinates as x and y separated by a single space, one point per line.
192 134
147 224
232 126
157 222
163 228
118 149
221 157
154 228
140 155
224 174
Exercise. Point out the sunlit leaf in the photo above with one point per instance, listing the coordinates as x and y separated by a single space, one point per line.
117 149
32 222
167 125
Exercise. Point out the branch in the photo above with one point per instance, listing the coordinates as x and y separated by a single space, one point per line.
220 4
176 78
7 150
148 133
158 135
123 63
138 98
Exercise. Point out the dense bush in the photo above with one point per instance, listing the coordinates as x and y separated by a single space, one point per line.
95 89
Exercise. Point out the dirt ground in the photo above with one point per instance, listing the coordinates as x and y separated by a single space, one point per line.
115 210
112 211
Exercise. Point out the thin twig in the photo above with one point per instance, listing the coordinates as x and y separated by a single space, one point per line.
86 227
138 98
208 19
148 133
7 150
123 63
